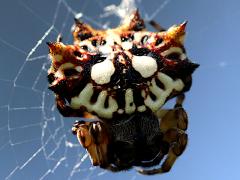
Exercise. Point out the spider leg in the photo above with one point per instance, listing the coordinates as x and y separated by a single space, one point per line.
156 161
157 26
179 100
173 118
113 168
175 151
173 123
66 110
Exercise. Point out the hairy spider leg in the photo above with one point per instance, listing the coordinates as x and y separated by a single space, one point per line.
173 123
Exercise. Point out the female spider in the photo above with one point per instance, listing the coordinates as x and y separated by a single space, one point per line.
120 78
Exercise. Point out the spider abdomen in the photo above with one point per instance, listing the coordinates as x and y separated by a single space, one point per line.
130 107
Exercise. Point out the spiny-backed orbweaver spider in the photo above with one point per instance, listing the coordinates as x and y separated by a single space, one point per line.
119 79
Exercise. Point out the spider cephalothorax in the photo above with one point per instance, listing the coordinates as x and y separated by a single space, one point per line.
122 145
121 78
118 72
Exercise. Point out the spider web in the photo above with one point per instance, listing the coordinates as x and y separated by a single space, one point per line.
35 140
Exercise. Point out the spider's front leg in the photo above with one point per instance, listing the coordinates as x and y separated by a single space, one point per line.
66 110
94 137
176 149
173 123
156 26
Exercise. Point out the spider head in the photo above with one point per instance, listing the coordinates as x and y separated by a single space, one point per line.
93 136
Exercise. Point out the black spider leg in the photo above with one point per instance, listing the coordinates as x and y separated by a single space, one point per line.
114 169
153 162
174 124
157 26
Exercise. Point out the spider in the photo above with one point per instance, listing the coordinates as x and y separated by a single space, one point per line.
119 79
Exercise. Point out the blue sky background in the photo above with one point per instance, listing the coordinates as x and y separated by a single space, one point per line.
36 142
